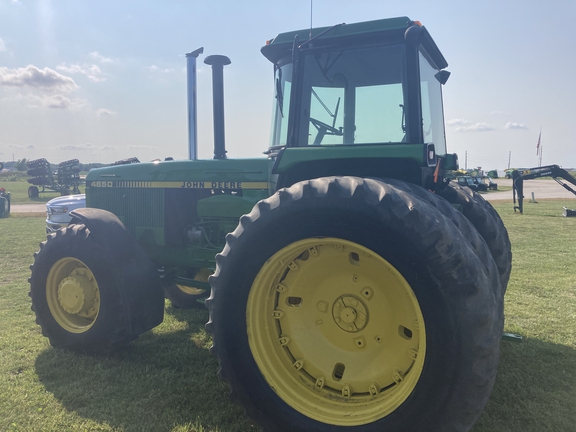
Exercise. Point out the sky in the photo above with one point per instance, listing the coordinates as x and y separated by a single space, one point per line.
105 80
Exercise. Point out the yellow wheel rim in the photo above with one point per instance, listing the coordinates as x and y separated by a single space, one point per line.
190 290
336 331
72 294
201 275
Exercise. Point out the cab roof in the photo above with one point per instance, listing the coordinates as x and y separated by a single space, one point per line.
391 30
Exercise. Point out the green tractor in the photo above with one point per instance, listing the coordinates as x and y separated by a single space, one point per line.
4 203
351 285
4 199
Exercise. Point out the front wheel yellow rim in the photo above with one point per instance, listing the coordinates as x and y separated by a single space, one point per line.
336 331
72 295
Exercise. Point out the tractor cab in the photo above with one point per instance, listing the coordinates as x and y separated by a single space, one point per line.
375 84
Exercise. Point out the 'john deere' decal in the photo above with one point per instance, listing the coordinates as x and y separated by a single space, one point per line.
176 185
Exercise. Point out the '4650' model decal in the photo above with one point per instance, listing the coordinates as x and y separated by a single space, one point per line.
176 185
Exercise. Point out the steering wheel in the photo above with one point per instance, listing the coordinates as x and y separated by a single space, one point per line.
323 130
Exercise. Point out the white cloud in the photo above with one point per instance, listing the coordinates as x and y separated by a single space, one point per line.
499 113
99 57
457 122
46 79
155 68
462 125
476 127
2 46
82 147
511 125
136 147
105 112
56 101
93 72
20 147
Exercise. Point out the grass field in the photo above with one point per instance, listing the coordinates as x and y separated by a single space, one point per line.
166 380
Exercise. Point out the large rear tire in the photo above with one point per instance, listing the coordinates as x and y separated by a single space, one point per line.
475 218
77 294
488 223
348 304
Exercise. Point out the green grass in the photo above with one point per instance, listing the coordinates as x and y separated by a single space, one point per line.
166 380
536 385
17 184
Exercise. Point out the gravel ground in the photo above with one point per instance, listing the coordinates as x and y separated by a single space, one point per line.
541 189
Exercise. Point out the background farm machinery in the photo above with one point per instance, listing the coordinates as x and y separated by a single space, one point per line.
65 180
554 171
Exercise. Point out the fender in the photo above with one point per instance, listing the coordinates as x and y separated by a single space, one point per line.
136 273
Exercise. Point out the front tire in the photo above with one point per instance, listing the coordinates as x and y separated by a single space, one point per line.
77 295
348 304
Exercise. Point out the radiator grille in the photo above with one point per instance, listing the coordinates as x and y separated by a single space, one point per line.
136 207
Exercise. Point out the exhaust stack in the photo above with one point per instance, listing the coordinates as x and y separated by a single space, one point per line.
218 62
192 107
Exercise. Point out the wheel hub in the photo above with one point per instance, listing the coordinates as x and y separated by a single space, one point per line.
350 313
70 295
77 294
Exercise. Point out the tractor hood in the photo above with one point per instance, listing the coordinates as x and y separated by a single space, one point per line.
185 174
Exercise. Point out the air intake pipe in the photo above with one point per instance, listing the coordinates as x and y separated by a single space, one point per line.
218 62
192 108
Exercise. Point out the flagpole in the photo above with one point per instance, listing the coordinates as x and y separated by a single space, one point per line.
539 148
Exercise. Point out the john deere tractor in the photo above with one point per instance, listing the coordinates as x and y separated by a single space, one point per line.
352 287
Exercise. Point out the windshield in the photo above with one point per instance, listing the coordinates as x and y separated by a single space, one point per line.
353 96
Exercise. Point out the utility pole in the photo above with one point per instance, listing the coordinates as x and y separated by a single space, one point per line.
466 160
509 158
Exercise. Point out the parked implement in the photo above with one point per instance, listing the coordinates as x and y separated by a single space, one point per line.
65 180
351 294
554 171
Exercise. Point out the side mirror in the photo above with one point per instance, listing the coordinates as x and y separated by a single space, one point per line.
442 76
451 162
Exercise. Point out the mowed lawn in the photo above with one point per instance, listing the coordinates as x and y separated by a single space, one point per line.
166 380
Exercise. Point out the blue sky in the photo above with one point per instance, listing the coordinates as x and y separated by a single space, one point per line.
105 80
